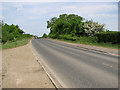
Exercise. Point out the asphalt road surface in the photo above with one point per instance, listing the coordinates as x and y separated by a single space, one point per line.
75 67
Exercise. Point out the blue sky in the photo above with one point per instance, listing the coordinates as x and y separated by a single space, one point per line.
32 16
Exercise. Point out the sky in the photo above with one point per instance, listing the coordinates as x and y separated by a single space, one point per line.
32 16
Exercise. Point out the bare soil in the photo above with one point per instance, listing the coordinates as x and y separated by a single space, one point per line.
21 70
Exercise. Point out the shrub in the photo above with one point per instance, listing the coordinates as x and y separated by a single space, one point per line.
89 39
54 36
12 33
44 35
92 28
110 36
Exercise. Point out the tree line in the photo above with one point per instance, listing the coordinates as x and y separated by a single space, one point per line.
12 33
73 27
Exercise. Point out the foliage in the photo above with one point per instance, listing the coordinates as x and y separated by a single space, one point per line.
92 28
13 44
12 33
109 36
85 40
73 27
68 37
66 24
90 39
44 35
0 30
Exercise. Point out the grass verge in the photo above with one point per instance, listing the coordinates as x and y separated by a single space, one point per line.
105 45
13 44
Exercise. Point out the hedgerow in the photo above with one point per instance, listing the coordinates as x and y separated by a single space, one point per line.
12 33
110 36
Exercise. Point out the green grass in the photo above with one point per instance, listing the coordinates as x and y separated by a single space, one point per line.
106 45
13 44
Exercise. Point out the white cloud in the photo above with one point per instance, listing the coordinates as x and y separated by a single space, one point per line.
60 0
19 7
104 15
90 8
0 11
111 20
36 14
4 8
7 6
83 10
101 13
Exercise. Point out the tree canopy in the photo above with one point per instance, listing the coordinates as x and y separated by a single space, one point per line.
73 25
44 35
12 32
92 28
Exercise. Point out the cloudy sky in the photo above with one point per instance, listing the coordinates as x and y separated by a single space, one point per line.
32 16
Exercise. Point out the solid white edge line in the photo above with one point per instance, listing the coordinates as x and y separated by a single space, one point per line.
51 79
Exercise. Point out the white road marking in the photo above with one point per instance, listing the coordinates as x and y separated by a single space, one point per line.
107 64
52 80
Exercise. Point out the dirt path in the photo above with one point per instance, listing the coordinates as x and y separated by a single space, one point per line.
21 70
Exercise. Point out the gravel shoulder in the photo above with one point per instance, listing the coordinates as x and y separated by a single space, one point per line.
21 70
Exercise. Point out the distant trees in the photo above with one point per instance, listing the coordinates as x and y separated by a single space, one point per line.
44 35
0 31
66 24
73 25
12 32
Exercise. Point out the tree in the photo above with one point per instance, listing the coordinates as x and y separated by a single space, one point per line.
92 28
44 35
1 23
73 26
51 22
66 24
12 32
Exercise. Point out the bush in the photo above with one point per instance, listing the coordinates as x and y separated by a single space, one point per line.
92 28
54 36
89 39
12 33
110 36
67 37
44 35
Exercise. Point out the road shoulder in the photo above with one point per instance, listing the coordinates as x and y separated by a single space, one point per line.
21 70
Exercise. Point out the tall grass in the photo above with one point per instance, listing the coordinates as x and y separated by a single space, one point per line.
13 44
92 41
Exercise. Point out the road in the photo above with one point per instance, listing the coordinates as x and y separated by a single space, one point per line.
75 67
